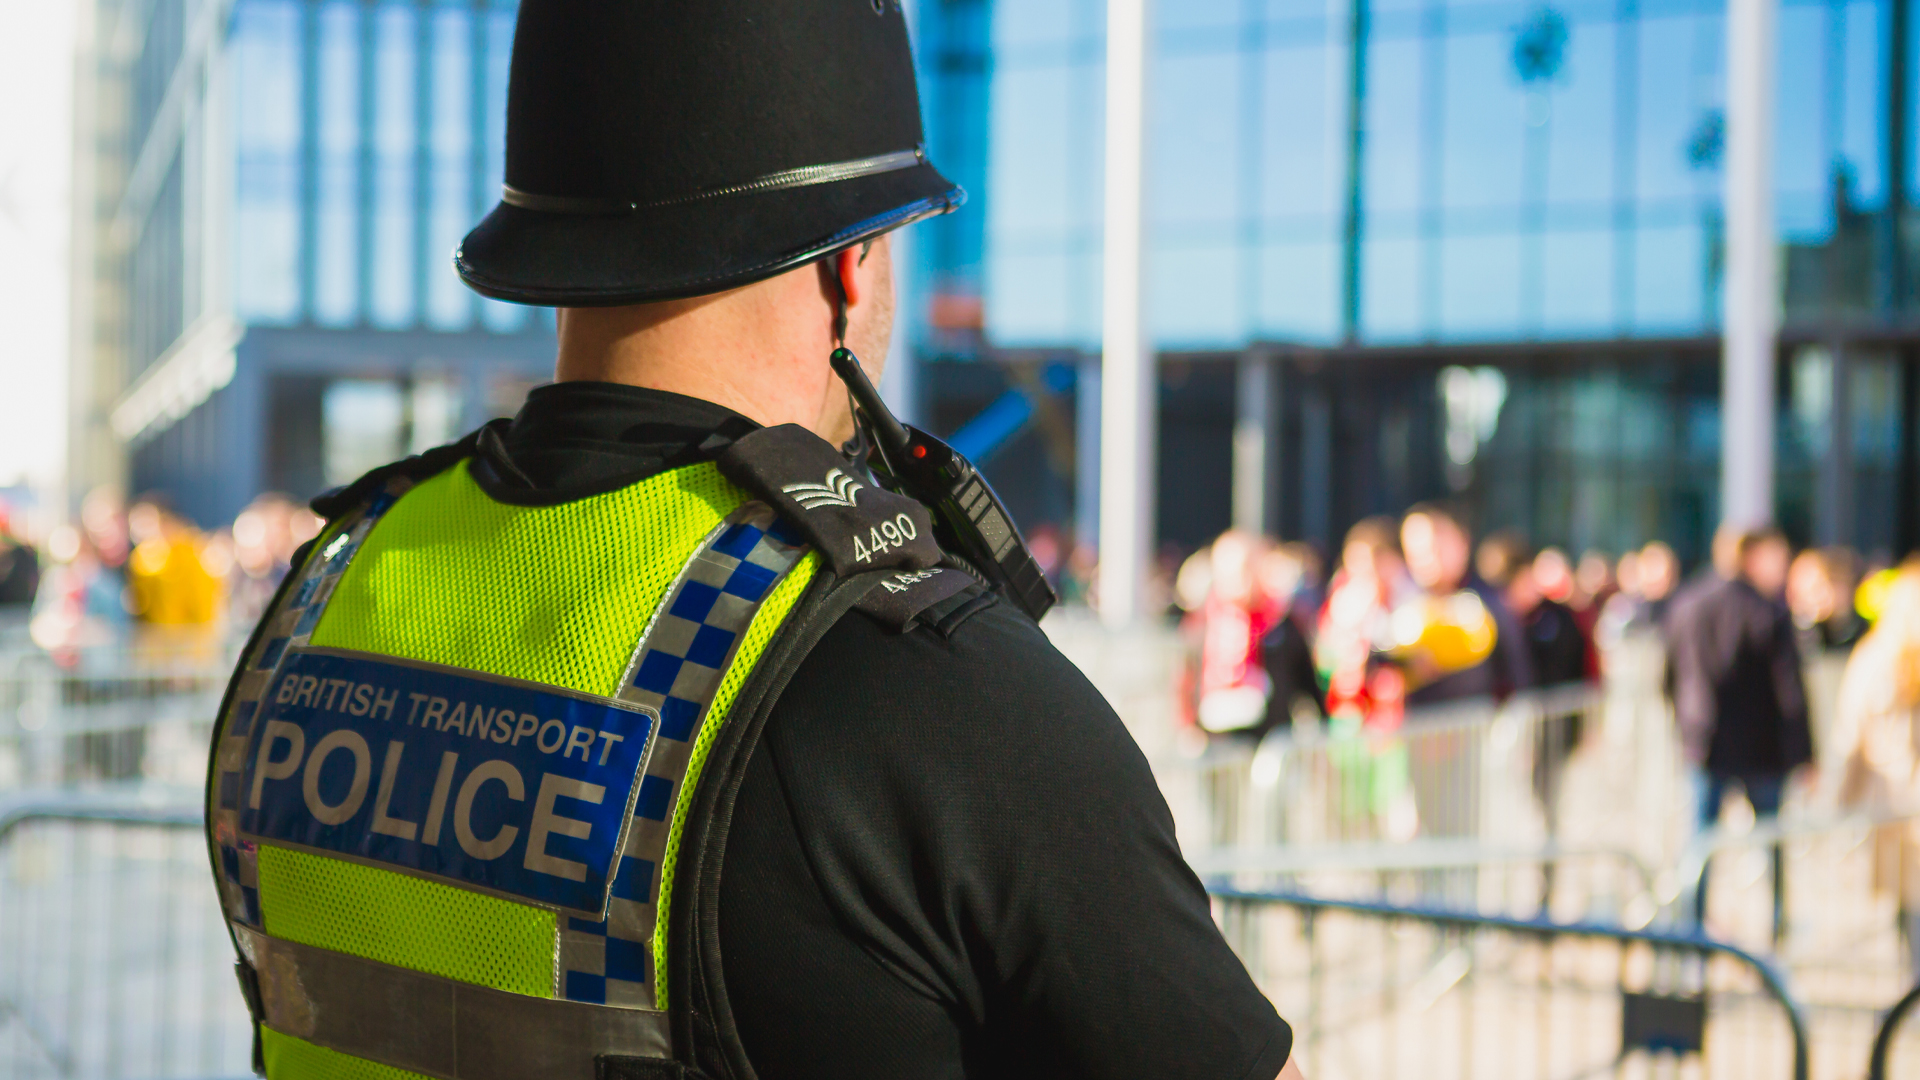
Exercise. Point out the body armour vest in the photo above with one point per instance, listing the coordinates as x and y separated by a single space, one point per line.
471 779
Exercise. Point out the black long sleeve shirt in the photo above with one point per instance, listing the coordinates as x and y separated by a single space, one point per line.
949 859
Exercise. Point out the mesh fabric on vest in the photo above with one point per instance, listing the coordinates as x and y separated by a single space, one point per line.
772 615
551 594
290 1056
408 922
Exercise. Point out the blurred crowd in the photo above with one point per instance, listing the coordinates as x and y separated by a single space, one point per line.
133 573
1414 613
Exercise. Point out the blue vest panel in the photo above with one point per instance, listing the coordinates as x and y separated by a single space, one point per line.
508 786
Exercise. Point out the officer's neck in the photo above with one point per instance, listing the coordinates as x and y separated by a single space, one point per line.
760 351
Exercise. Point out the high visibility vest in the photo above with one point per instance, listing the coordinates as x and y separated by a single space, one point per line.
455 774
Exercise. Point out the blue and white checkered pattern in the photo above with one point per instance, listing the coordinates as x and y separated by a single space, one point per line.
676 669
289 625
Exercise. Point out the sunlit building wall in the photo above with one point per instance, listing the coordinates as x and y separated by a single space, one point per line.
294 318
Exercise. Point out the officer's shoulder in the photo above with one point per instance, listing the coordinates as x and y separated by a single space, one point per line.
979 680
341 501
939 599
959 634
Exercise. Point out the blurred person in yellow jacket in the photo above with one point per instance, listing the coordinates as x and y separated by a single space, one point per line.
1878 728
175 576
1461 640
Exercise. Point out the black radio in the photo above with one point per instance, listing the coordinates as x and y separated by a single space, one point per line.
970 519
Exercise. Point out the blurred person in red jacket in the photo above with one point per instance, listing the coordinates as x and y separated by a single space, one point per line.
1230 618
1356 627
1594 585
1365 687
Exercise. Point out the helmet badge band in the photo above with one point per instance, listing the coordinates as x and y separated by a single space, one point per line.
805 176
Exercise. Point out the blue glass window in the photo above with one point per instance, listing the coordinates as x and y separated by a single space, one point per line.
265 68
449 303
394 138
1530 170
336 245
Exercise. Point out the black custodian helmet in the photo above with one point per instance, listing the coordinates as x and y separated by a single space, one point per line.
659 149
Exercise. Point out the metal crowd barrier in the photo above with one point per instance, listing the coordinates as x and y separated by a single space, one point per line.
1378 991
1558 797
141 711
114 961
1896 1041
1596 831
1460 769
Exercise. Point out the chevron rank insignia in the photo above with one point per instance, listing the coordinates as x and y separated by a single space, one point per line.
855 525
838 489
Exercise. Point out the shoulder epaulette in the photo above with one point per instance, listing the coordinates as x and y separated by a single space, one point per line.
907 598
856 526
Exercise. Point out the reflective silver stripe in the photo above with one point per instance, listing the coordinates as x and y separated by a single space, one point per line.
804 176
440 1027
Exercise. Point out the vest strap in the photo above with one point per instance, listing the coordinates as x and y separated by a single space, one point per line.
441 1027
701 1010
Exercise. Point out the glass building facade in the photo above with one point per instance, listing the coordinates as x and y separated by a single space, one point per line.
1423 171
1479 245
368 140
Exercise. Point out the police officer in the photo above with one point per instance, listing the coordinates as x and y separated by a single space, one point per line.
648 735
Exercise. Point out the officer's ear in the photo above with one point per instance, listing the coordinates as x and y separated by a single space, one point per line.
849 277
850 266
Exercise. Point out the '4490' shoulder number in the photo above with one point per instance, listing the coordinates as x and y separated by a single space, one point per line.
884 537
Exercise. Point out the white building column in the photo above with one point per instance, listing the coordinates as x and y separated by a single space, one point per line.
1254 442
1751 319
1127 383
1086 451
